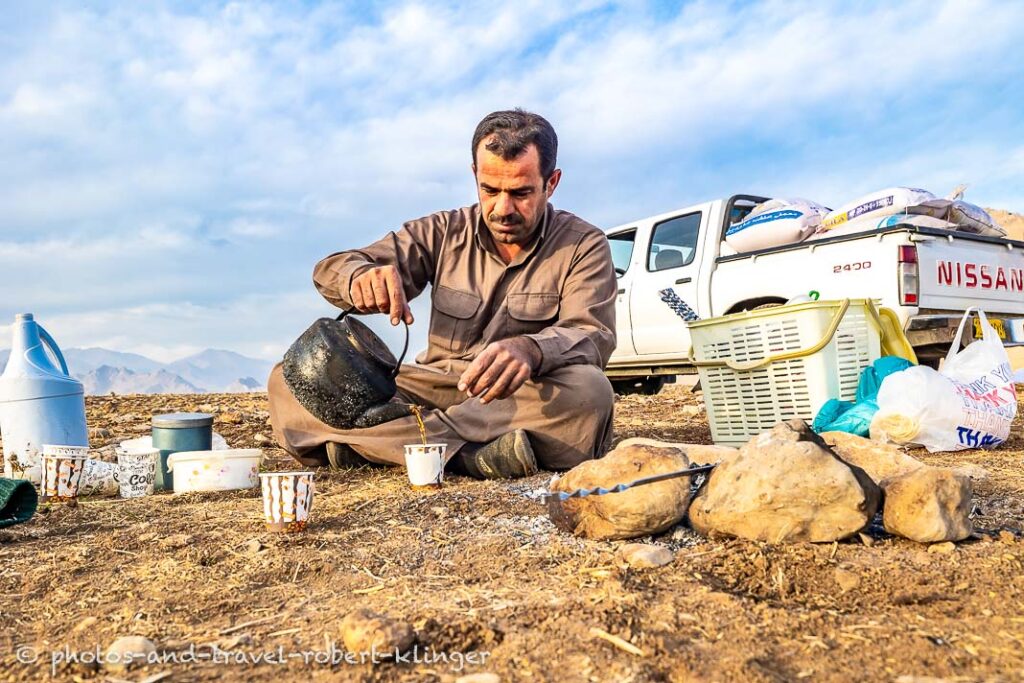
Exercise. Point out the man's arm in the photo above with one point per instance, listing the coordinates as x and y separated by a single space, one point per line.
388 273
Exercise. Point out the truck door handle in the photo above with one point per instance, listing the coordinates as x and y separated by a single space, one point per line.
621 291
683 280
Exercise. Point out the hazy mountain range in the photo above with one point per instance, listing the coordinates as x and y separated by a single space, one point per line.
102 371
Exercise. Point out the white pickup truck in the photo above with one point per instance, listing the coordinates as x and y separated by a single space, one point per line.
929 277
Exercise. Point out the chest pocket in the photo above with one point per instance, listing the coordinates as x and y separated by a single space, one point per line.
453 318
531 312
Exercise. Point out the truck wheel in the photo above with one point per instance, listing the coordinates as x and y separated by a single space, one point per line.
647 386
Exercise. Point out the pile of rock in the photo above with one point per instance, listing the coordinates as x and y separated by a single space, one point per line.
787 484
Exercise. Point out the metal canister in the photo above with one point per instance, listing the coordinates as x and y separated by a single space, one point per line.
176 432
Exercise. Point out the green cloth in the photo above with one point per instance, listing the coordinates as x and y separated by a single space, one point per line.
18 501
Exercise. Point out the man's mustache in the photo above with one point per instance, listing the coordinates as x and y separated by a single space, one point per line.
512 219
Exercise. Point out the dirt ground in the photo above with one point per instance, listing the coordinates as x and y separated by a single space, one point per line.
490 586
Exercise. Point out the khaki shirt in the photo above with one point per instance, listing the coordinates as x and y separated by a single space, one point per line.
559 291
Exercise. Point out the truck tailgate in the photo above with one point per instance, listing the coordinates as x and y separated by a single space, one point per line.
967 271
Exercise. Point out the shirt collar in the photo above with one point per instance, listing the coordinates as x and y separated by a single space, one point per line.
484 241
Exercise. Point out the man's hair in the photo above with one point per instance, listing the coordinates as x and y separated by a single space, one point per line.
514 130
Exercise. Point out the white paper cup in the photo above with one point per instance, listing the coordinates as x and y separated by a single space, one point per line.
61 472
425 464
137 472
99 478
287 499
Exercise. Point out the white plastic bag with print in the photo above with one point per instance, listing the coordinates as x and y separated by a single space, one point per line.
969 403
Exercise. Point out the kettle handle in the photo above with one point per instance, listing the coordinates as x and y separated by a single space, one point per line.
48 340
405 347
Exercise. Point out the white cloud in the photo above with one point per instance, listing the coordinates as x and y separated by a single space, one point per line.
168 168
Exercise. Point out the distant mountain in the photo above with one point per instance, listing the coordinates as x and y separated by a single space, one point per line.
218 368
102 371
106 379
82 361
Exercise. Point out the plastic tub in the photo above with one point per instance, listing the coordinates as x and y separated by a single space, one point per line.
225 470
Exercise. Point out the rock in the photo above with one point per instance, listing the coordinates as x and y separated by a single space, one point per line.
262 440
229 418
846 579
366 631
175 541
645 555
942 548
85 624
99 433
866 540
928 505
635 512
252 546
879 460
969 469
128 652
1007 537
785 485
479 678
698 454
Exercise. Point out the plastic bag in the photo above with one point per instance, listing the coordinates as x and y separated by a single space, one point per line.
855 417
970 403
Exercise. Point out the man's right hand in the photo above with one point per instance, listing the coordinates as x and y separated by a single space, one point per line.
380 290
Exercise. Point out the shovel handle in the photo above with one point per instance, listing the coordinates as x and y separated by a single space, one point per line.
582 493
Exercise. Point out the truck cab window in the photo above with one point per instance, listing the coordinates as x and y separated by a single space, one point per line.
674 242
621 244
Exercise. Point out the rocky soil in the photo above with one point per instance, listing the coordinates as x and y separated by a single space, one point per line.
490 588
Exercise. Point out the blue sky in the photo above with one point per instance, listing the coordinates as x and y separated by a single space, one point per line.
170 172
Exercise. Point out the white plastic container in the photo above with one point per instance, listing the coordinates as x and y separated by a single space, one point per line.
40 402
762 367
221 470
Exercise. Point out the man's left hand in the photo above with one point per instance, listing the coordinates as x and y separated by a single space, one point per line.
501 369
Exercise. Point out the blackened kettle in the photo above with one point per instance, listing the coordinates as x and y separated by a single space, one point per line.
339 369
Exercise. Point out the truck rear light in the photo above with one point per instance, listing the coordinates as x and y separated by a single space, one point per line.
907 272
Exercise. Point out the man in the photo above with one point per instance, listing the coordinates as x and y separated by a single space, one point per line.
522 322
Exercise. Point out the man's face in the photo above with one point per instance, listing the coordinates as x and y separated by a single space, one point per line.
513 195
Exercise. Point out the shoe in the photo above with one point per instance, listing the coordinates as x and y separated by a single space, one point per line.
510 456
342 457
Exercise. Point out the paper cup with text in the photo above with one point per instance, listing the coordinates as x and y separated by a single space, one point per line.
287 499
61 472
137 472
425 464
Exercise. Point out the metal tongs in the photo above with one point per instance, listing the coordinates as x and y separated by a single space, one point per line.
554 500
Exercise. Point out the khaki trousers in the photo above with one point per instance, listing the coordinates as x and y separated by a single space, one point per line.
567 413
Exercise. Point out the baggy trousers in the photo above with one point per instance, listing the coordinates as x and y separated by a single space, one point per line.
567 413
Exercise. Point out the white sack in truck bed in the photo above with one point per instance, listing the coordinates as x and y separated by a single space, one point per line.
966 216
885 202
869 223
774 223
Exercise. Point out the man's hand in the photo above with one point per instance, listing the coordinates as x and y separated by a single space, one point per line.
380 290
501 369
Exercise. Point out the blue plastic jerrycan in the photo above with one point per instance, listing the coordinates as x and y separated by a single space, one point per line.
40 403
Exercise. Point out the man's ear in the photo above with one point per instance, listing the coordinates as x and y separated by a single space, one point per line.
556 176
472 167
